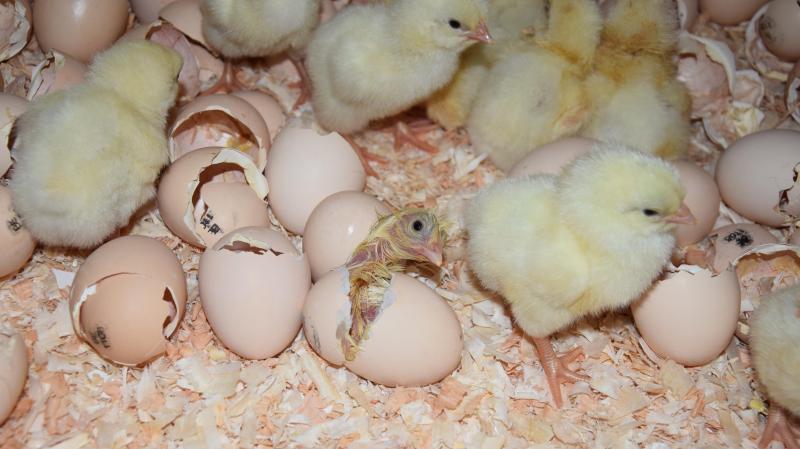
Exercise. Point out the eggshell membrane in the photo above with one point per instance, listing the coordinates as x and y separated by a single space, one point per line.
734 240
229 205
185 15
337 226
79 28
551 157
416 340
304 168
147 10
754 171
16 243
689 317
267 106
779 28
254 302
11 107
687 13
702 198
220 120
13 370
726 12
56 72
134 288
178 196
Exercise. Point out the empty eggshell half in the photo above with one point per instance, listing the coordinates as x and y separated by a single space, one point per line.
304 168
266 105
199 206
13 370
253 284
16 243
223 121
16 30
337 226
702 197
725 12
551 157
127 298
687 13
11 107
56 72
415 341
779 28
730 242
147 10
185 15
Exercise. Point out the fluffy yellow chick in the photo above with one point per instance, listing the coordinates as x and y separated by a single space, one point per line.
509 21
636 97
536 95
377 60
88 157
775 345
591 240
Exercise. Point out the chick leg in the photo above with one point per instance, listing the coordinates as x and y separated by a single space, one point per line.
365 156
403 134
227 82
305 82
555 367
779 428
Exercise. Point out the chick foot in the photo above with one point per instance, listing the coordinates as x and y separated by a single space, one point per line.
303 84
365 156
555 367
779 428
227 82
404 133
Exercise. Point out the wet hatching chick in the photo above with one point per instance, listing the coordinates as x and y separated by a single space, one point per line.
87 158
561 248
775 345
395 239
636 97
536 95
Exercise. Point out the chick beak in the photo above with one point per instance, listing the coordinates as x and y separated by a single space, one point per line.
433 254
682 216
480 33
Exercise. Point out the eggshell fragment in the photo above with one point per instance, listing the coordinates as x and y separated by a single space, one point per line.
730 242
128 298
13 370
304 168
337 226
702 198
56 72
79 28
16 243
726 12
793 92
551 157
16 17
253 284
11 107
415 341
266 105
185 15
690 316
779 28
147 10
687 13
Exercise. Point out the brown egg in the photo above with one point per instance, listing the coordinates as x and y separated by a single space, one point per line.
269 108
79 28
185 15
732 241
253 284
56 72
13 370
689 317
727 12
415 341
16 243
687 13
336 226
702 197
200 206
780 29
11 107
128 297
147 10
551 157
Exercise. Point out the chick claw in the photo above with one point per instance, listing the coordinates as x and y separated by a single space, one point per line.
555 367
779 428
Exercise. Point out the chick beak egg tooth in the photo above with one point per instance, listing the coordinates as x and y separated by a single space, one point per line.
480 33
682 216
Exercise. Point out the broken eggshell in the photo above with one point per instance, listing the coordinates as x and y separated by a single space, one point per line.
702 198
16 30
726 12
551 157
186 16
13 369
730 242
16 243
199 206
687 13
127 298
763 269
253 284
11 107
147 10
56 72
266 105
779 28
793 93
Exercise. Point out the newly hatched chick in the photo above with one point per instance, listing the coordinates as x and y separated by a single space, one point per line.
775 345
536 95
377 60
591 240
406 235
88 157
636 97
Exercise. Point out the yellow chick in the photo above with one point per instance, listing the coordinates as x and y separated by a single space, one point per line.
588 241
536 95
88 157
775 345
510 21
636 97
377 60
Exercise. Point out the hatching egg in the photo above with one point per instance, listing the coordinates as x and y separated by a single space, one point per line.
128 298
147 10
337 226
690 316
415 341
551 157
756 175
11 107
56 72
780 29
16 243
727 12
702 198
79 28
732 241
266 105
304 168
253 284
13 369
687 13
200 199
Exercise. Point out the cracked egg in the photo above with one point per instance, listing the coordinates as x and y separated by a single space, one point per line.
779 28
16 243
185 15
127 298
11 107
56 72
13 369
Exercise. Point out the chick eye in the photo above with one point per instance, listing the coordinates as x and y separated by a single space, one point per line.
417 225
454 24
650 212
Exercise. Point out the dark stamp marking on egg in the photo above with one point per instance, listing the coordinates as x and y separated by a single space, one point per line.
14 224
99 337
207 222
741 237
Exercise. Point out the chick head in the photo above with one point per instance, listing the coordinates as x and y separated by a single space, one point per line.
411 234
444 24
617 191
